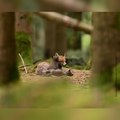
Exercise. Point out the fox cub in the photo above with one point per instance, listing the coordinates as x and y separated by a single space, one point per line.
53 68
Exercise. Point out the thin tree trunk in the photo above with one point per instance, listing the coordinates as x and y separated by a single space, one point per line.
55 39
8 64
23 23
50 30
61 41
77 34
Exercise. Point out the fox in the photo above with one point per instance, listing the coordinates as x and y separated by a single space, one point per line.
53 68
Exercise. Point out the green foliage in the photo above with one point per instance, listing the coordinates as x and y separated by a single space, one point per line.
46 93
89 64
86 40
118 21
51 92
69 37
27 6
22 37
103 80
116 75
24 46
87 17
14 74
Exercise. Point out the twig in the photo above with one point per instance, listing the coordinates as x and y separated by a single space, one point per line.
21 66
23 63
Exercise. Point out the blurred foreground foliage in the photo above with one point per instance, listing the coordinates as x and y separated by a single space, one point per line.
116 75
52 96
52 92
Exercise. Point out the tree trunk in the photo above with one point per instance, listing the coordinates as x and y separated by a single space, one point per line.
7 5
113 5
106 41
77 34
34 42
61 42
8 64
23 23
38 38
50 29
55 40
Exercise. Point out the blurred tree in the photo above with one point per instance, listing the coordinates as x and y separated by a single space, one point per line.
50 30
23 23
6 5
61 41
77 34
106 41
55 39
113 5
8 64
38 38
24 30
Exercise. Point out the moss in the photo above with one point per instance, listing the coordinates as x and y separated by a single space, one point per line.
103 80
116 76
12 76
89 64
118 22
23 42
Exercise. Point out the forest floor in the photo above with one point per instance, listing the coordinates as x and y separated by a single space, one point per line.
67 91
55 98
36 91
80 77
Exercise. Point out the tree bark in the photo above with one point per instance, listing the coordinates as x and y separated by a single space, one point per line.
6 6
50 38
77 35
113 5
106 41
23 23
61 41
55 39
8 64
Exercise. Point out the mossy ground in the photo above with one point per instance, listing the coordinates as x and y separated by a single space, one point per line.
36 91
55 98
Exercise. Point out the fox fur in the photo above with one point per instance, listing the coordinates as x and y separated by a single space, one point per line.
53 68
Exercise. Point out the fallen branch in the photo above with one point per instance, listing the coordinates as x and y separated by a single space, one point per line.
68 21
23 63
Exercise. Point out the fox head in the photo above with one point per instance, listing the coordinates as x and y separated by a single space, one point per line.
60 59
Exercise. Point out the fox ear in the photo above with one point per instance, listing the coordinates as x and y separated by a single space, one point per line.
56 54
55 58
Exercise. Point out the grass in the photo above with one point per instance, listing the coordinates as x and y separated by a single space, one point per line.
53 98
52 92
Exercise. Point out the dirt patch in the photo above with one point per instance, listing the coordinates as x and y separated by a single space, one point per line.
80 77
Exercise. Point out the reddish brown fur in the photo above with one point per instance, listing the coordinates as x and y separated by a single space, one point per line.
54 68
